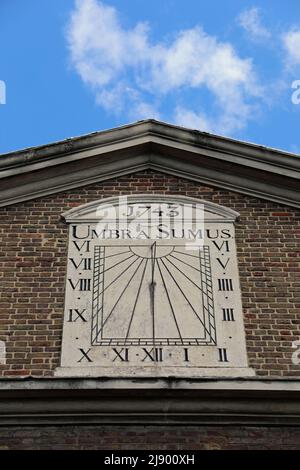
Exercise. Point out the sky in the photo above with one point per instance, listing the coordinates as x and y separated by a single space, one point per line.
71 67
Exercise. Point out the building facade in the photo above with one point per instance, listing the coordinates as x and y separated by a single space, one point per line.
150 293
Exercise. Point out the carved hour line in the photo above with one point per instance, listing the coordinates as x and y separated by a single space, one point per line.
207 271
119 275
186 298
117 254
119 262
198 287
184 262
167 266
181 272
186 254
101 293
136 300
119 298
192 308
172 308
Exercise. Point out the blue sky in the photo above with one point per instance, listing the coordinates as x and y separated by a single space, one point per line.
222 66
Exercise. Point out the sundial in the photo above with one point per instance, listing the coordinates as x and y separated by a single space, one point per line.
152 294
152 290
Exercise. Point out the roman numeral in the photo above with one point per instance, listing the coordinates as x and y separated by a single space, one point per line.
85 245
81 284
86 262
220 245
228 314
85 355
222 355
75 314
186 355
122 354
222 264
225 284
155 354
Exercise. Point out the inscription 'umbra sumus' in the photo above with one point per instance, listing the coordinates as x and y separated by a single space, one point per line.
152 296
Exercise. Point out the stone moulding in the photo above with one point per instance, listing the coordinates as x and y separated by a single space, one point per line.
150 145
73 401
87 212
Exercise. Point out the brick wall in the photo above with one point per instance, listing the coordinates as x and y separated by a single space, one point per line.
33 267
150 438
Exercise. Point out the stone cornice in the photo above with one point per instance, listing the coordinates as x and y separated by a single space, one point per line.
252 401
246 168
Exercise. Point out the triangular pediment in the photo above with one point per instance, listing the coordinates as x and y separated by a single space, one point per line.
150 145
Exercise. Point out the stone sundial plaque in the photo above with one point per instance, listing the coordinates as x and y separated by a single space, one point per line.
152 293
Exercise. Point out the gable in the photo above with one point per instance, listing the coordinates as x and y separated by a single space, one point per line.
34 249
150 145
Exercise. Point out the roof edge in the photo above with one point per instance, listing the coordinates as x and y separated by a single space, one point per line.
149 127
150 145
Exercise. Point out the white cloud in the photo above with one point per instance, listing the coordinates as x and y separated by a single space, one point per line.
187 118
250 20
133 77
291 42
